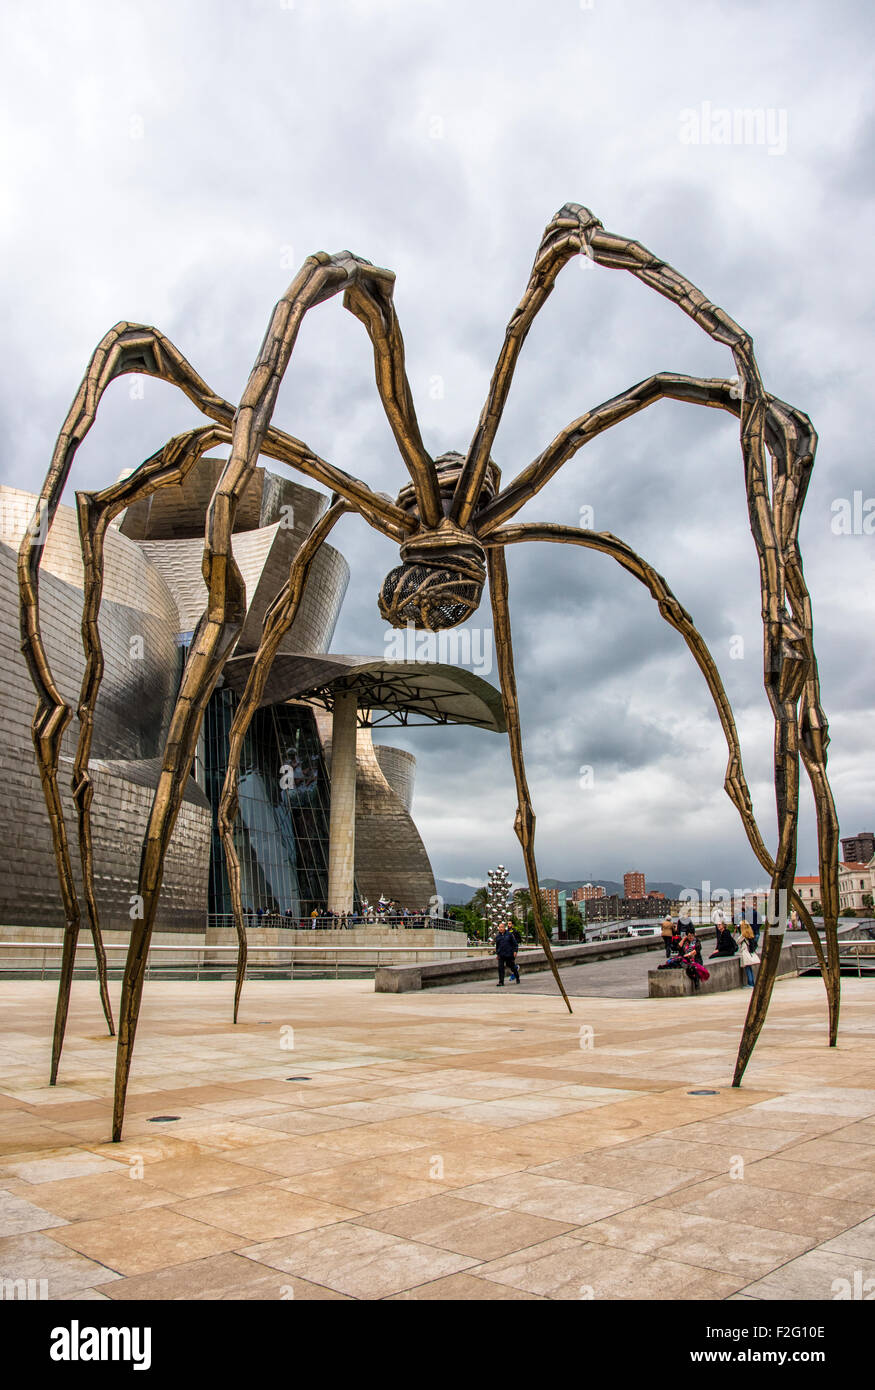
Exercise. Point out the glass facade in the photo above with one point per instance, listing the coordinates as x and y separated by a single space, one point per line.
281 835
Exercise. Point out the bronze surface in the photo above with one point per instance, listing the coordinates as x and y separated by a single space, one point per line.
442 575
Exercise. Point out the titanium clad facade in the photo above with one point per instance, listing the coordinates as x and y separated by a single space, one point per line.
138 625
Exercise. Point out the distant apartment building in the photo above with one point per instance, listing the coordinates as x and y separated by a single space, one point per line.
550 897
860 848
587 892
628 909
856 882
634 886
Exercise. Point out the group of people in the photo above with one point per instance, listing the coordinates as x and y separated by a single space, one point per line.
683 949
384 913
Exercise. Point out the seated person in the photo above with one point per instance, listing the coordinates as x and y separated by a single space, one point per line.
691 947
726 943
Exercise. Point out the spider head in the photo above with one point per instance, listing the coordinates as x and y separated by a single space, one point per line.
439 583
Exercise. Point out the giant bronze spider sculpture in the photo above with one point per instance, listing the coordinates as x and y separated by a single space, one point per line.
451 523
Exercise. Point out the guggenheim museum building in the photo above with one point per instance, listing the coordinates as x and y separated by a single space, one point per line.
325 812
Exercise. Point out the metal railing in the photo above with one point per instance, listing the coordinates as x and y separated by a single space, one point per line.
851 953
167 961
417 921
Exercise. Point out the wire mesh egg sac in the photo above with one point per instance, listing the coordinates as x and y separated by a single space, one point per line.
429 596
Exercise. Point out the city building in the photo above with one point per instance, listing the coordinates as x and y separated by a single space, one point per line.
860 848
808 888
324 814
550 897
857 886
613 907
587 892
634 886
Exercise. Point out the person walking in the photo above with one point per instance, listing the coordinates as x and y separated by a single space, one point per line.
505 950
755 927
667 936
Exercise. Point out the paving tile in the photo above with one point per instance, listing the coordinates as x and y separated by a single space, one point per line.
463 1227
288 1157
367 1141
198 1176
263 1212
364 1186
73 1164
835 1153
34 1255
225 1135
857 1240
304 1122
566 1268
717 1243
784 1174
358 1261
819 1276
99 1194
18 1216
145 1240
628 1174
563 1201
819 1218
452 1165
206 1278
463 1288
825 1100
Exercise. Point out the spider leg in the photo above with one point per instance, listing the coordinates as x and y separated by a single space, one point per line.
95 512
791 442
277 621
524 824
320 277
562 239
715 392
789 665
789 661
370 300
735 783
126 348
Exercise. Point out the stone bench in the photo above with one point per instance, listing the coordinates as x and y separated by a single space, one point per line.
726 973
399 979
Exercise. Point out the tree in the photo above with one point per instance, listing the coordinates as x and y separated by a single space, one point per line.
522 904
478 901
816 908
573 921
475 924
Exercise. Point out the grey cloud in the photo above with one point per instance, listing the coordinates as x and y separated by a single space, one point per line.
438 139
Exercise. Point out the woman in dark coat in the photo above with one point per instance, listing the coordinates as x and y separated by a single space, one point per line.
726 943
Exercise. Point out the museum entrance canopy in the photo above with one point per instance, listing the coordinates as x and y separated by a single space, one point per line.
387 692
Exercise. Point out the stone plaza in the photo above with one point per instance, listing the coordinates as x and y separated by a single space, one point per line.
343 1144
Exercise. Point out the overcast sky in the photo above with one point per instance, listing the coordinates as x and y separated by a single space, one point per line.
172 164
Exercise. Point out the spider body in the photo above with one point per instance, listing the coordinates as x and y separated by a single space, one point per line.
440 581
452 522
